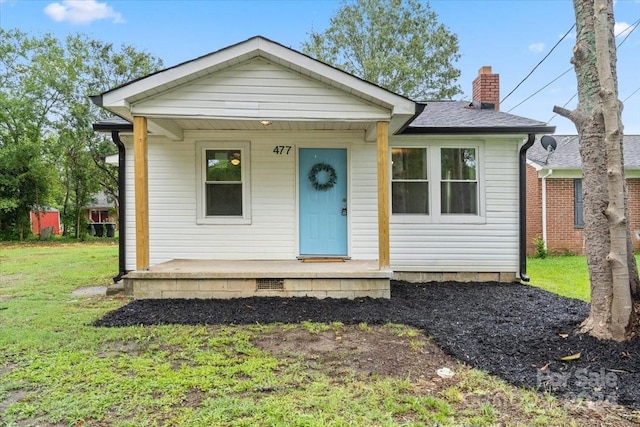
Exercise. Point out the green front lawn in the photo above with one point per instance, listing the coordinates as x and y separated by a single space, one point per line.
58 370
564 275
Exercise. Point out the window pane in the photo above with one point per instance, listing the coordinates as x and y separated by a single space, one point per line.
578 216
458 163
410 197
409 163
224 165
459 197
224 199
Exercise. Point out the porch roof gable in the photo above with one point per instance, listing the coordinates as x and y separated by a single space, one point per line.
383 104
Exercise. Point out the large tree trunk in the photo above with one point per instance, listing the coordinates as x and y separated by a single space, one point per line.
612 269
616 215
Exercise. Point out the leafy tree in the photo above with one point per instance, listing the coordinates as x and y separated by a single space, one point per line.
46 140
612 268
30 92
397 44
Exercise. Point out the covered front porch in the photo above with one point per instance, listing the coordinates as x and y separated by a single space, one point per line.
256 152
335 278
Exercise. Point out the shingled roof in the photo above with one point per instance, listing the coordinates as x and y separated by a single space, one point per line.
567 153
469 118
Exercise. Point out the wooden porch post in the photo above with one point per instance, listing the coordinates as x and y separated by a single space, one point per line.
384 259
141 182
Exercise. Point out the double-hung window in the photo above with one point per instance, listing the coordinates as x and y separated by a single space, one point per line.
224 191
458 181
409 181
578 205
436 182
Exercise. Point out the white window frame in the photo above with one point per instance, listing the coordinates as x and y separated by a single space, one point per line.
459 217
411 217
201 206
434 173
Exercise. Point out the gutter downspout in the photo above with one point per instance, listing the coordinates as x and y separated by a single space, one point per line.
522 193
544 207
122 241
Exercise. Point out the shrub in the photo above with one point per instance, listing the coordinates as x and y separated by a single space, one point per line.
541 248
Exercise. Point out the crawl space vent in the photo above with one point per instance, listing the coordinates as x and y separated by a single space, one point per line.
270 284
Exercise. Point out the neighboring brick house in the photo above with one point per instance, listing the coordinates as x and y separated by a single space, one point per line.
554 194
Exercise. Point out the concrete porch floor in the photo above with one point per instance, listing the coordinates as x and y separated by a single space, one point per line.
238 279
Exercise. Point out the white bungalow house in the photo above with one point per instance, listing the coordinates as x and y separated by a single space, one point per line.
257 170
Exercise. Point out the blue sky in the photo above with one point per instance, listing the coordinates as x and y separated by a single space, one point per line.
512 36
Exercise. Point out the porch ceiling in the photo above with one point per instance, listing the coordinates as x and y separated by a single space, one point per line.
276 125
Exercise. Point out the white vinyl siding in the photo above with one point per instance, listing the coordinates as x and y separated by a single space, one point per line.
450 245
272 233
363 202
490 246
259 89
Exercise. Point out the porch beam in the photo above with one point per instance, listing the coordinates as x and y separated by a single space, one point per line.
141 182
384 259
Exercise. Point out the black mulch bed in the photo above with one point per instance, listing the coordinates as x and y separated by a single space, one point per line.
510 330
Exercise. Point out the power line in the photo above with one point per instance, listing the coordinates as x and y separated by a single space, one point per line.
565 104
633 28
576 94
539 90
630 30
632 93
539 63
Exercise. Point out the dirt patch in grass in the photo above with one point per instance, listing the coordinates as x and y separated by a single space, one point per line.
90 291
383 351
373 351
8 280
516 332
116 348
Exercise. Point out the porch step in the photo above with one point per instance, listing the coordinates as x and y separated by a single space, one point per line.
239 279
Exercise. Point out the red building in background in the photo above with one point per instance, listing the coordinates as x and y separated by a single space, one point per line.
47 217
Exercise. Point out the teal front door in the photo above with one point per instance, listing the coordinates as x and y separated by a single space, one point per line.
323 201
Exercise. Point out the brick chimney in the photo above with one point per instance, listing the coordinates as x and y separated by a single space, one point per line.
486 89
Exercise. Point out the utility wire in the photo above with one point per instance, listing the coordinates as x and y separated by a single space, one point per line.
633 28
628 30
539 63
565 104
540 90
632 93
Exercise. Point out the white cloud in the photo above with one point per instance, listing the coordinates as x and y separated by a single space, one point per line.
621 29
81 11
536 47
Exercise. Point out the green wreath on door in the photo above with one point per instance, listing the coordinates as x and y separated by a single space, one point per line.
315 171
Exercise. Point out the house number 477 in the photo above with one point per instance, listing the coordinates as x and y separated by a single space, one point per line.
282 149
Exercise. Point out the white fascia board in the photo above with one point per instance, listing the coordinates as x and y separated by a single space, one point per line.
560 172
113 159
567 172
534 165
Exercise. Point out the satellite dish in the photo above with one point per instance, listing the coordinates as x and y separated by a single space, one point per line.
548 143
